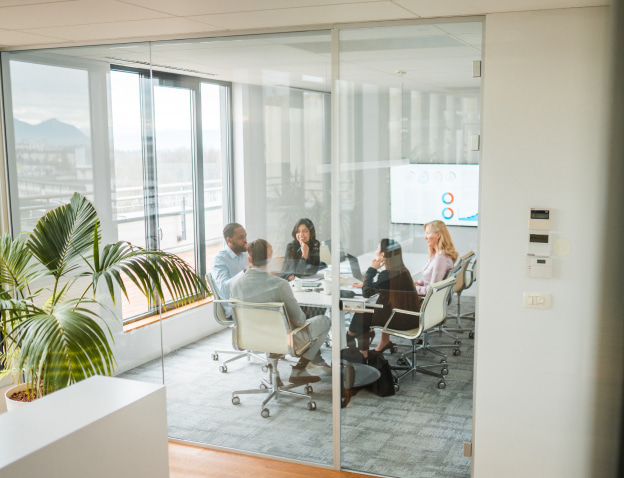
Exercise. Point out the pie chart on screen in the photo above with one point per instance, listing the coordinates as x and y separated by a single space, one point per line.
447 213
447 198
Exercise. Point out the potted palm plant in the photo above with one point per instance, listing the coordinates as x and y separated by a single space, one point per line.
51 286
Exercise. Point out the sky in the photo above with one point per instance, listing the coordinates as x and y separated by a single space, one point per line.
42 92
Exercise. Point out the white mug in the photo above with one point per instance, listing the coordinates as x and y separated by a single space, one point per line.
326 287
296 285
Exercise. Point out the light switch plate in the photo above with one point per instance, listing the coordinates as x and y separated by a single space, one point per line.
536 300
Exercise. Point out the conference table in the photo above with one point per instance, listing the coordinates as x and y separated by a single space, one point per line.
352 375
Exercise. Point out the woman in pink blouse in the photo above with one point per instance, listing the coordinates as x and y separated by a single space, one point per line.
442 256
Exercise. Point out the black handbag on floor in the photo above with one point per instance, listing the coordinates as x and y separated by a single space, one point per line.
384 387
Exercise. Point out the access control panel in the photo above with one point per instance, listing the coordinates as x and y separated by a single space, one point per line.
539 264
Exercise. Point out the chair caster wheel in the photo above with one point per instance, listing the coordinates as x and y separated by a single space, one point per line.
444 371
401 361
396 387
443 361
215 356
265 369
308 389
311 405
235 400
441 384
263 386
458 342
471 334
222 368
457 352
265 413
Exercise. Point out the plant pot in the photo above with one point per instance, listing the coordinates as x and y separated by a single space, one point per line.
13 404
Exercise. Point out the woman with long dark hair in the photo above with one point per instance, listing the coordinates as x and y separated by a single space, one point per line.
302 257
388 277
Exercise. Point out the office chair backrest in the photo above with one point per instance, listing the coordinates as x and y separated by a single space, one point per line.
325 254
471 272
460 274
219 311
433 310
262 327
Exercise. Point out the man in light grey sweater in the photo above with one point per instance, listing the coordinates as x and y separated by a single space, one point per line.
257 285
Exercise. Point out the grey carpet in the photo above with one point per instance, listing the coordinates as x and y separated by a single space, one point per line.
419 432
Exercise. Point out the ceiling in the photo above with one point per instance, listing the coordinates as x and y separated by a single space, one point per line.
38 23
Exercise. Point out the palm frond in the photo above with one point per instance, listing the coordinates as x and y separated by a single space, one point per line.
65 346
151 271
64 234
16 271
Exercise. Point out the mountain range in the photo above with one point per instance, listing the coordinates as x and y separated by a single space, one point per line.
52 131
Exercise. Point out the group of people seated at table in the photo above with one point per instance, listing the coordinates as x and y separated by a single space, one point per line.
240 271
387 276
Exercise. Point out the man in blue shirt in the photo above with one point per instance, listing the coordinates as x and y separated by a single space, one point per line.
229 262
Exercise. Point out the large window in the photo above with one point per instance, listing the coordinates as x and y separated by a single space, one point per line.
168 133
156 177
51 139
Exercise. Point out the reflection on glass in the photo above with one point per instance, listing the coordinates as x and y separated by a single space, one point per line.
407 97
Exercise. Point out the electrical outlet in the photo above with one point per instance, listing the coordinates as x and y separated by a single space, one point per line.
537 300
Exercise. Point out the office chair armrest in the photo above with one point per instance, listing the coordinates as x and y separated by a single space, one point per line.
299 329
400 311
304 331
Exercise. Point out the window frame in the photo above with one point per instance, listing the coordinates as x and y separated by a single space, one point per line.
148 79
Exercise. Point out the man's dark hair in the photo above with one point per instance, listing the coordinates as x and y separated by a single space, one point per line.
258 251
228 230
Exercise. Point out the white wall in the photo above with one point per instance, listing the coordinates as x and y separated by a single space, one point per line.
55 435
545 74
142 345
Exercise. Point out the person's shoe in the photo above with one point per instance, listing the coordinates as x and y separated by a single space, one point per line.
388 346
302 376
322 369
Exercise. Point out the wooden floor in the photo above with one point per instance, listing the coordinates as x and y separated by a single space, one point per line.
190 462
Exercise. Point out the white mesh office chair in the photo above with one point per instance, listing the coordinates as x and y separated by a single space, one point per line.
431 314
471 278
222 319
265 327
463 281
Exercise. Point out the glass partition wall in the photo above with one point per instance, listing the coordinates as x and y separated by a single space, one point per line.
408 111
172 140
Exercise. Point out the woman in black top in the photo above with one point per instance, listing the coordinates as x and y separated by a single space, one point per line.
395 287
303 255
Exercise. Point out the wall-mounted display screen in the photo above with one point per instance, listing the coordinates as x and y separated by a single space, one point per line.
421 193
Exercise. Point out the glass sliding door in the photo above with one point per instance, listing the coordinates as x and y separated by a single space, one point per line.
280 147
408 110
174 128
216 136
